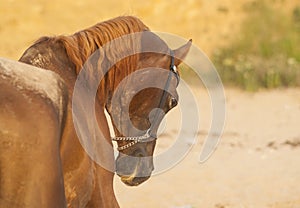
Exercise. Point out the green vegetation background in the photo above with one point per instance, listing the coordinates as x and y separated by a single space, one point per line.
267 52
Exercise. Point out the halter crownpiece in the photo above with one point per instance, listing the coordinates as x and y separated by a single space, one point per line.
147 136
173 69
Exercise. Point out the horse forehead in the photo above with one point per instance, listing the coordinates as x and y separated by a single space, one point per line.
25 77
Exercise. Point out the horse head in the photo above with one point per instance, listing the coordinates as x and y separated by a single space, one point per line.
147 95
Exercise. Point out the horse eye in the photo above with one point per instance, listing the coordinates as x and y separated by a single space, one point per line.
172 102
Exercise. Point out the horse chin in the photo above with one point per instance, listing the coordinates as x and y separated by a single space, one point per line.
133 181
135 178
133 170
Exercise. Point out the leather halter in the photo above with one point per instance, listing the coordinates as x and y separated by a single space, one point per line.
147 136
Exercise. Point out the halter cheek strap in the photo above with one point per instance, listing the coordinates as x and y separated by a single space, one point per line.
147 137
173 67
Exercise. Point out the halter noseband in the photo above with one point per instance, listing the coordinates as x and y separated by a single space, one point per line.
147 136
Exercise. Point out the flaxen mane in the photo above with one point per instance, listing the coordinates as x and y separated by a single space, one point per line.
82 44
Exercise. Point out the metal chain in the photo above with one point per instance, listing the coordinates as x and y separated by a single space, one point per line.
134 140
126 145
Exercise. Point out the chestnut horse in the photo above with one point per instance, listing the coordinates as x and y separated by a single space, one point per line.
86 182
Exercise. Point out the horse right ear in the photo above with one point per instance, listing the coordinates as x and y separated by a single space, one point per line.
181 52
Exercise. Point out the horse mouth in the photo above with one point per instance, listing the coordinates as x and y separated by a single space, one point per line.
133 181
134 174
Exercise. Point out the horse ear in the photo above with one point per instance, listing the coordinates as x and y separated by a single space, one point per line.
181 52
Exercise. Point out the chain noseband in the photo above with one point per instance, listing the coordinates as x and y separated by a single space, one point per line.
147 136
134 140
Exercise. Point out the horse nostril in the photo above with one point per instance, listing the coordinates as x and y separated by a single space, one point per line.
140 152
139 155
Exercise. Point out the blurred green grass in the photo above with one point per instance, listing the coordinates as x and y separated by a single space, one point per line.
267 52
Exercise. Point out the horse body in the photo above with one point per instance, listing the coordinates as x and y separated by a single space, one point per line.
86 183
31 103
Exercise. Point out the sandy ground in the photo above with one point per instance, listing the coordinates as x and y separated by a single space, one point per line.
257 163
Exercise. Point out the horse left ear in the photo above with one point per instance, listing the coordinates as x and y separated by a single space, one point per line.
181 52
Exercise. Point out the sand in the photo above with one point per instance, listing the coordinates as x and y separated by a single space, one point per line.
256 163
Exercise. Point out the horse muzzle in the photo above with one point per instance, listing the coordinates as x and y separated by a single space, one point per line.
134 169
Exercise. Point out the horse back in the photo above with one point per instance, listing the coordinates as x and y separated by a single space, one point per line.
32 105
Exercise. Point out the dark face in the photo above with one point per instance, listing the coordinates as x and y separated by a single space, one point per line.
135 164
146 109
